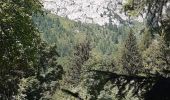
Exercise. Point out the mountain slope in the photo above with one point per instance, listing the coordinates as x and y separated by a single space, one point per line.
66 33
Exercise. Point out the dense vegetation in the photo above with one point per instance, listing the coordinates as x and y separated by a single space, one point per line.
47 57
24 56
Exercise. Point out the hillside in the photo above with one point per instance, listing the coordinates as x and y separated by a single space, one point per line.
65 33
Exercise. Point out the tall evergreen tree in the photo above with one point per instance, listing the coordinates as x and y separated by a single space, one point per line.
131 60
81 54
155 57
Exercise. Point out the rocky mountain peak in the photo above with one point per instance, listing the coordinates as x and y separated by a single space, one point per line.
88 11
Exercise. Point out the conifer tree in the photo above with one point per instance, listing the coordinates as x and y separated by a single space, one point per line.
155 57
131 60
81 54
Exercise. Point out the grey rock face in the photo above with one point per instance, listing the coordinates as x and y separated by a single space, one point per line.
88 11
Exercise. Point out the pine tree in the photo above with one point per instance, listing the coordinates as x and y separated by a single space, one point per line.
131 60
155 57
81 55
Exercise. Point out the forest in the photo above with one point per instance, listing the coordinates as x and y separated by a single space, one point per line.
48 57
